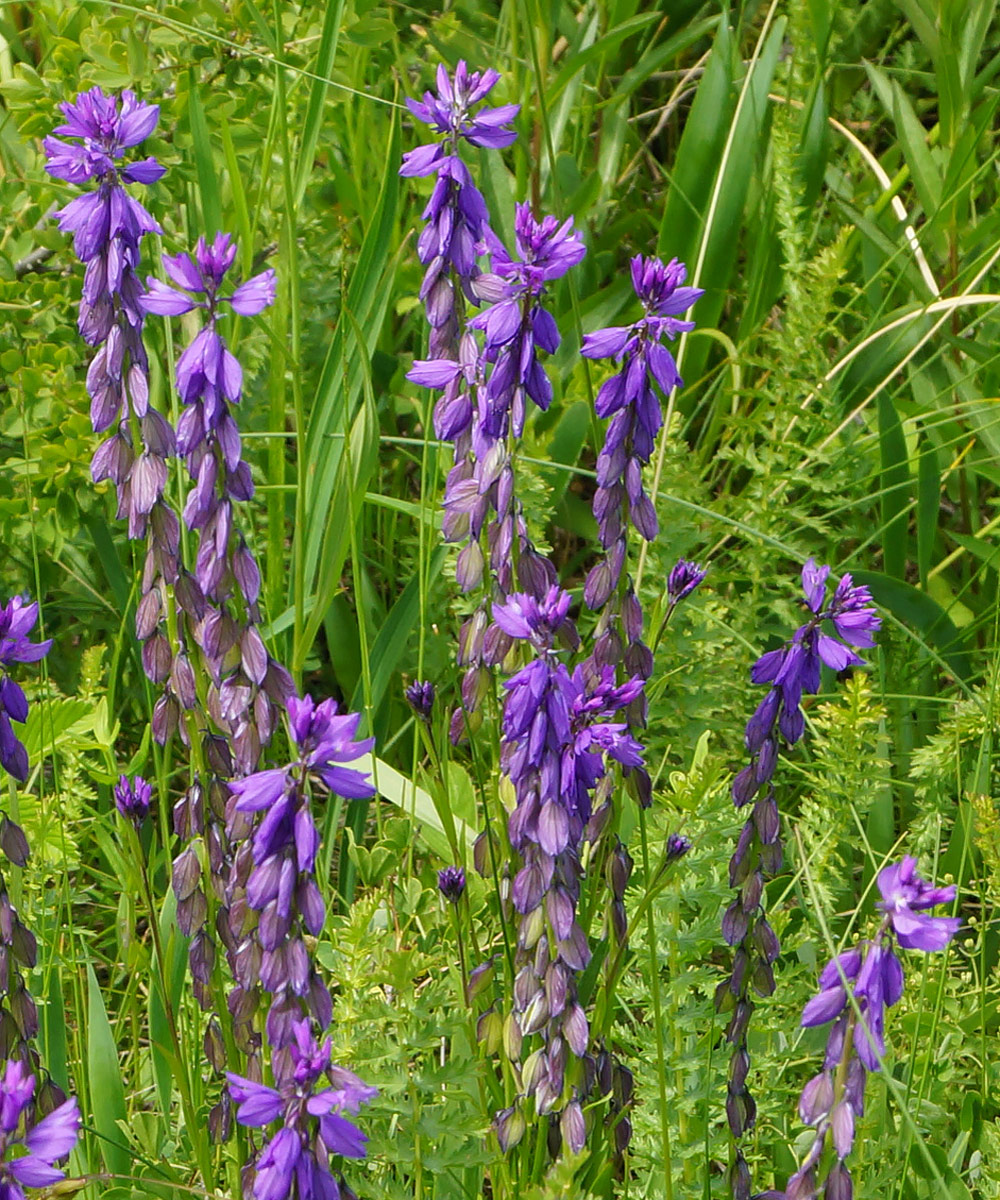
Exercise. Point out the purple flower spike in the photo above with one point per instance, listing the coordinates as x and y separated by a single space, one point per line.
448 113
833 1101
456 214
46 1141
629 398
791 671
281 886
516 324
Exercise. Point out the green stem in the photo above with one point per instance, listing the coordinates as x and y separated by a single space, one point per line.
654 981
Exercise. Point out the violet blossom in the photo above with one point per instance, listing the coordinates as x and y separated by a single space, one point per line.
559 741
456 214
792 670
630 399
45 1141
833 1100
516 323
451 883
246 682
296 1160
280 883
132 797
17 619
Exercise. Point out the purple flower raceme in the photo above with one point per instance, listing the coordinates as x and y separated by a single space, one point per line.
17 619
792 671
18 948
515 324
108 226
630 399
39 1143
246 682
279 862
310 1100
456 214
833 1100
132 797
560 739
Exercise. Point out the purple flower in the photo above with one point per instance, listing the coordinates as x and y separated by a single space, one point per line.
791 670
51 1138
451 883
522 616
630 400
281 885
904 895
295 1161
684 577
17 619
833 1101
456 214
449 114
516 324
420 697
132 797
677 846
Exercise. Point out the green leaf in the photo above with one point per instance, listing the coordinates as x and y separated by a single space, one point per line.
208 179
322 67
107 1095
895 487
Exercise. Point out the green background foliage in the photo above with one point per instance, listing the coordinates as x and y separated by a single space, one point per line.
829 174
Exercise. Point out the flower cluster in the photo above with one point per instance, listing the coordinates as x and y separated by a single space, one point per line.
456 214
872 973
515 324
43 1141
245 680
17 619
108 226
281 865
313 1126
792 670
559 741
630 399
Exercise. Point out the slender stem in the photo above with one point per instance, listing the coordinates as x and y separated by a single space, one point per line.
183 1081
654 983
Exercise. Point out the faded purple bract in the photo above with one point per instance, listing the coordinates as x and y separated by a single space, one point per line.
280 884
45 1141
833 1100
17 619
296 1160
630 399
456 214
